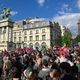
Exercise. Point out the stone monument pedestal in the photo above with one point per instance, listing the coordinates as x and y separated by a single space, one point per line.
6 35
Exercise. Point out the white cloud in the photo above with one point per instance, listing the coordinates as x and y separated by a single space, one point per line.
14 13
41 2
69 20
65 8
78 3
61 12
65 5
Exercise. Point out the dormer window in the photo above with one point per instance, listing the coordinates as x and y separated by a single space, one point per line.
24 22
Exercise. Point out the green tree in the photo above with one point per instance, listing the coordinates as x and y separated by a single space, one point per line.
66 39
78 38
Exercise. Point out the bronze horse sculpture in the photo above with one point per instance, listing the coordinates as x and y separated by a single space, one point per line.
5 13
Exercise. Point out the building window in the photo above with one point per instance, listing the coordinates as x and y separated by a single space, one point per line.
4 37
19 45
37 37
37 45
14 33
31 38
25 33
24 22
19 39
14 39
43 44
43 30
43 37
37 31
51 37
0 30
30 32
19 33
25 45
4 31
31 45
25 39
18 26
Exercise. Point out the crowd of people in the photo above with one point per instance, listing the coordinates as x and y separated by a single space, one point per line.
56 63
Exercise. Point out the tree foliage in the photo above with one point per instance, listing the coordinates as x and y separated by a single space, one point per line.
66 39
78 38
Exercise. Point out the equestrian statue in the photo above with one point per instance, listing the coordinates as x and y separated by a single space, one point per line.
6 12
